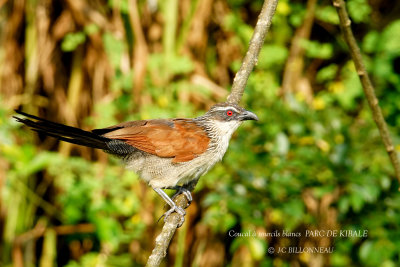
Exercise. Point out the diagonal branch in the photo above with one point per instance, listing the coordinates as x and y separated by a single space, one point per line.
293 71
264 21
366 84
164 238
256 42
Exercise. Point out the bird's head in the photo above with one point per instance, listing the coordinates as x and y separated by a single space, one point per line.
226 117
227 112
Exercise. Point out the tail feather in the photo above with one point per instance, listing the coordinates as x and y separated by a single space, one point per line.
63 132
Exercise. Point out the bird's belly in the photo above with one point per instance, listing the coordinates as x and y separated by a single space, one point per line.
163 173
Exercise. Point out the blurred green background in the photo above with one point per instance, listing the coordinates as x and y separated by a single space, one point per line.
314 161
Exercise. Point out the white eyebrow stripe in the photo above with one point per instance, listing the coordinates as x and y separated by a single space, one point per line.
227 108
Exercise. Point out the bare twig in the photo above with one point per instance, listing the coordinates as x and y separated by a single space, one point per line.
256 42
239 83
168 231
41 227
140 51
39 231
366 84
292 74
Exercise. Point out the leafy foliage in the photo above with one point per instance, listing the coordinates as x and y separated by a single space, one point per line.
314 161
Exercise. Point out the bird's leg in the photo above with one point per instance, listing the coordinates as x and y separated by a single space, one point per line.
174 207
192 184
186 189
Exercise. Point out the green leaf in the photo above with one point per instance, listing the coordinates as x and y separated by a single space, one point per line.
72 40
371 42
373 253
390 39
315 49
91 29
108 230
327 73
114 49
327 14
257 247
359 10
272 55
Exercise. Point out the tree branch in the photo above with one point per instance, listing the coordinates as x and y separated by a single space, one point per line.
164 238
366 84
256 42
293 71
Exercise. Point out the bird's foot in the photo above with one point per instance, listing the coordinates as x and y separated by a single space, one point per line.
174 208
181 212
186 192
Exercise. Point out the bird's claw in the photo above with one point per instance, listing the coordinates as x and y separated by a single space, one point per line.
181 212
186 192
174 208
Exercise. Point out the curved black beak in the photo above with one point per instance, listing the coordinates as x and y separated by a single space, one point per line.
248 115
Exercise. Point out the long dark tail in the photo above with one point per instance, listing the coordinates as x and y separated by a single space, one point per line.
64 132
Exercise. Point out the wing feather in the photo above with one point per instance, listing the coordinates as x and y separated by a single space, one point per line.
180 139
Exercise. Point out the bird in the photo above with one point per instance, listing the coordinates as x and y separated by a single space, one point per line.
165 153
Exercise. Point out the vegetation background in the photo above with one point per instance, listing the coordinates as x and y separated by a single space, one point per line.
314 161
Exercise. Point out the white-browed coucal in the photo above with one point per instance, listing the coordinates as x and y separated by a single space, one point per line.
166 153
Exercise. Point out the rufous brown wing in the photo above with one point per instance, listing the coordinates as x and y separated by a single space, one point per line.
180 139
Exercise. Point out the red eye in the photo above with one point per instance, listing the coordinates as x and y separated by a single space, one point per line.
229 113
